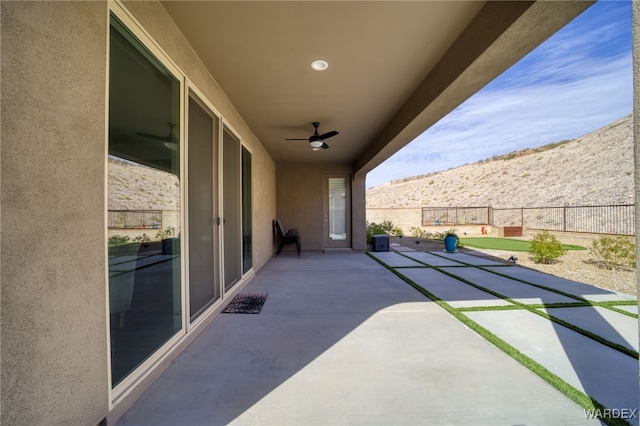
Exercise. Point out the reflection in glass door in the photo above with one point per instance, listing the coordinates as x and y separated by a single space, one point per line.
144 203
337 211
204 288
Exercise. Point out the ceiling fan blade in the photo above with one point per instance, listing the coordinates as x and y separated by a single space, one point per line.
324 146
328 135
156 137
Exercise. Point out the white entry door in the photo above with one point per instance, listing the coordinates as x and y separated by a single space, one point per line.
337 210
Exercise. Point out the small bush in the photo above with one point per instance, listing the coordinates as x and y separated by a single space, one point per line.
373 229
169 232
546 248
144 238
389 228
118 240
386 227
614 252
420 233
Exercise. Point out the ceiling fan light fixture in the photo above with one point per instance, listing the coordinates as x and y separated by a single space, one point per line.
319 65
315 149
316 144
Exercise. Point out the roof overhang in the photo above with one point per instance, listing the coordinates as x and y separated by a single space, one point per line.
395 67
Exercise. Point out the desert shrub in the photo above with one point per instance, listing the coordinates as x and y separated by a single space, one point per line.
389 228
546 248
419 232
169 232
121 245
614 252
118 240
386 227
144 238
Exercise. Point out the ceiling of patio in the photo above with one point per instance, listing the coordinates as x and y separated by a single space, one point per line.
395 68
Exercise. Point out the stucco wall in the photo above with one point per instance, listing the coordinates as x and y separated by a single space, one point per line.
54 317
299 199
54 331
404 219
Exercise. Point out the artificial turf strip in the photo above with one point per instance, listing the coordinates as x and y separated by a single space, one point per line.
606 304
507 244
563 387
587 333
533 308
623 349
620 311
522 306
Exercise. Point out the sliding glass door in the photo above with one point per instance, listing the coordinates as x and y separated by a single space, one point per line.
231 218
237 209
148 109
247 212
204 287
144 203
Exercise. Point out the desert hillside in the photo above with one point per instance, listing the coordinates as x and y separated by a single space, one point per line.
136 187
596 168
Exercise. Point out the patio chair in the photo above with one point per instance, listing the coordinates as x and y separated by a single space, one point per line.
291 236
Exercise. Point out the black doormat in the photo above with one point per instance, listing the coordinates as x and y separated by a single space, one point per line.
246 303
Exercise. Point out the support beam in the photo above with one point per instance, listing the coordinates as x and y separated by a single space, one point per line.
481 53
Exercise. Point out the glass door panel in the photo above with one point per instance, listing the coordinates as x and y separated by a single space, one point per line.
144 203
204 288
337 211
231 219
247 258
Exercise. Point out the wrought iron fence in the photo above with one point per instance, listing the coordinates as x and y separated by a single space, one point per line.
617 219
135 219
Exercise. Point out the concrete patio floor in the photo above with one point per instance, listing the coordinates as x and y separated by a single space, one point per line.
343 339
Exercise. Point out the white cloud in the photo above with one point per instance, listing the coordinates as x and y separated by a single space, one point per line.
571 85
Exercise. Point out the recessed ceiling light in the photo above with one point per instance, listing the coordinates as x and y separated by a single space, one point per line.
319 65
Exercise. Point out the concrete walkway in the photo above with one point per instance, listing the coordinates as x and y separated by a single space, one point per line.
341 339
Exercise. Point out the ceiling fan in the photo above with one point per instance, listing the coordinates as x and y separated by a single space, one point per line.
317 141
170 141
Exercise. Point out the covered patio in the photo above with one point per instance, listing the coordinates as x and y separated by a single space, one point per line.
343 338
221 98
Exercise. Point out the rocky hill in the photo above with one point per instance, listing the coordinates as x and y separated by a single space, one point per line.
136 187
596 168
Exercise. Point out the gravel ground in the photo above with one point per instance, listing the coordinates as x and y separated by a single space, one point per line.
575 265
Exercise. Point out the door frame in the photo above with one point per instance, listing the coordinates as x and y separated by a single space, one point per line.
328 243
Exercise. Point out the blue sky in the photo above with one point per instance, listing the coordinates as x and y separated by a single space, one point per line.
577 81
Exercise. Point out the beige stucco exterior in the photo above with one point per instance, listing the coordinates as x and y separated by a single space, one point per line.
54 330
300 199
54 287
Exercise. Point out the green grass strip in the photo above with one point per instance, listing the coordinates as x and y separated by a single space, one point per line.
606 304
617 310
563 387
616 346
490 308
630 352
620 348
620 302
522 306
506 244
